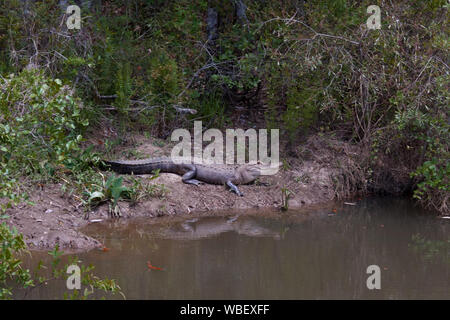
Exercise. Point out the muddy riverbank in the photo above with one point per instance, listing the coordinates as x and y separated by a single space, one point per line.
55 218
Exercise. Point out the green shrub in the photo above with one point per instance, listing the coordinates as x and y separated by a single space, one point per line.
12 245
301 111
40 128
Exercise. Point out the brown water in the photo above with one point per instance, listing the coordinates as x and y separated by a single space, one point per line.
292 256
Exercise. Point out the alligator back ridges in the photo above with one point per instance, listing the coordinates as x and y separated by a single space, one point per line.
162 163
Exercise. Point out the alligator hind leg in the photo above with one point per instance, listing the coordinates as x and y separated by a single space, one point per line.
189 176
234 188
193 181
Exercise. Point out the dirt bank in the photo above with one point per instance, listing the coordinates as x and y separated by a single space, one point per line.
311 179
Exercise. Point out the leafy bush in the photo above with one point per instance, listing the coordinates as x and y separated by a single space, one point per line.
431 132
40 129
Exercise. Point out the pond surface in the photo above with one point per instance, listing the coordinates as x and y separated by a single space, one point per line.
320 255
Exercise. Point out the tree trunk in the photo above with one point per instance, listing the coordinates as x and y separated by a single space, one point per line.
212 23
240 11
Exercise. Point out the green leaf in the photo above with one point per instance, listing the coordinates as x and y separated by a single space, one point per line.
96 195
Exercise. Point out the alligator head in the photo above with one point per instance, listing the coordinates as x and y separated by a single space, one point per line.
248 173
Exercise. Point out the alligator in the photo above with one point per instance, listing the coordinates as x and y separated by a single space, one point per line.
192 173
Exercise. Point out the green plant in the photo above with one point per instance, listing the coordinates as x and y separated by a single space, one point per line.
13 277
124 89
88 279
211 108
435 175
113 189
40 130
429 133
140 191
285 196
301 111
12 245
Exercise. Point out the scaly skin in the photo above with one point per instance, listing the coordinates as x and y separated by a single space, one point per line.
191 173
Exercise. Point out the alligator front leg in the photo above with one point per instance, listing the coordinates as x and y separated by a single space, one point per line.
234 188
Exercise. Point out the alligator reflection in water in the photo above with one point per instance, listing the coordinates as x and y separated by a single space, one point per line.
195 229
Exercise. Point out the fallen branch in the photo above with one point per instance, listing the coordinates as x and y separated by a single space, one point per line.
178 108
291 20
